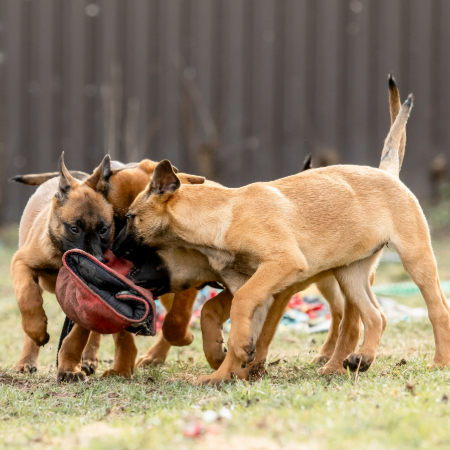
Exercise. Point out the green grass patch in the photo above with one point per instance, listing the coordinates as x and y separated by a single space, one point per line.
398 404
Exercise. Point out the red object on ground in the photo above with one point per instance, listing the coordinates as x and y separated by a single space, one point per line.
99 298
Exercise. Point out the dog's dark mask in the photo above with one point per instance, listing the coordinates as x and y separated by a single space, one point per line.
149 270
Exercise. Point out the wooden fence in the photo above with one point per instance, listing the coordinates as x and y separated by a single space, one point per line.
240 90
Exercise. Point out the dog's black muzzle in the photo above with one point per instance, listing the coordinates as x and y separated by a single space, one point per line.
149 270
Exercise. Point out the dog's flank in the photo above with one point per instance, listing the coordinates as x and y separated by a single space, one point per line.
390 157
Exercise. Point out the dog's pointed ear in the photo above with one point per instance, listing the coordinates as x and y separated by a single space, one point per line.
66 180
190 179
100 177
307 163
164 180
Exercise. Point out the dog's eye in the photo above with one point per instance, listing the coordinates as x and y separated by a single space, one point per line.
74 230
104 230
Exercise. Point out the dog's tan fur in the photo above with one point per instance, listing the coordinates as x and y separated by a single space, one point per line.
266 239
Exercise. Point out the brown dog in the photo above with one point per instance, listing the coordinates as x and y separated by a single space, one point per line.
62 214
269 240
118 184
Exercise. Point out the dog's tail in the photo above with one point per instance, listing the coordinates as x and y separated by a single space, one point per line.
36 179
394 108
393 152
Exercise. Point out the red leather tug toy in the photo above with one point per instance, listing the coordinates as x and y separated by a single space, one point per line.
100 298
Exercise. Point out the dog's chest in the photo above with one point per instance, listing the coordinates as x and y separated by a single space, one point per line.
235 269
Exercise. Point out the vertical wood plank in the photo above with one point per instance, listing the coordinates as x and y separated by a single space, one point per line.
232 117
168 81
325 75
12 108
263 90
75 63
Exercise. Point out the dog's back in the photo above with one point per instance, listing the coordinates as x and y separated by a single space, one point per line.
37 209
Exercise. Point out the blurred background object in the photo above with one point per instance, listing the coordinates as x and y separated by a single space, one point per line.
237 90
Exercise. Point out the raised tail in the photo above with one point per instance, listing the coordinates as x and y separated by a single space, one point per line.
394 107
36 179
390 156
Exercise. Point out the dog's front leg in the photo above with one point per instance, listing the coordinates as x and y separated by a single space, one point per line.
253 300
232 367
69 356
124 355
30 301
28 359
175 327
90 354
215 312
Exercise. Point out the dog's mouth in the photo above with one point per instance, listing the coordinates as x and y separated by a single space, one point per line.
155 286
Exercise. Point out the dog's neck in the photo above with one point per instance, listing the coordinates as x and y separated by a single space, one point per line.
202 215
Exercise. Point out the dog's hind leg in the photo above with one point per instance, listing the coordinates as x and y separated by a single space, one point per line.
158 352
329 288
348 337
354 281
418 260
28 359
215 312
70 353
124 355
175 327
90 354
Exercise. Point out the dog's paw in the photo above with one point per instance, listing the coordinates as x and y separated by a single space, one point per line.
89 366
151 359
176 341
211 380
356 360
242 345
246 353
215 355
115 373
437 365
320 360
24 367
331 369
40 337
70 377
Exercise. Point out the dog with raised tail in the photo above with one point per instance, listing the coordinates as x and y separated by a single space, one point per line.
269 240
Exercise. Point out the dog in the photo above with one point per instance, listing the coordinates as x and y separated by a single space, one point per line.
188 267
269 240
63 213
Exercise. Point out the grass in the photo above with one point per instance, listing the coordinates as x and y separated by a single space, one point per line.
398 404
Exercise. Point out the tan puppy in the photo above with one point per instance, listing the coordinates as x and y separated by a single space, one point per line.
270 239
